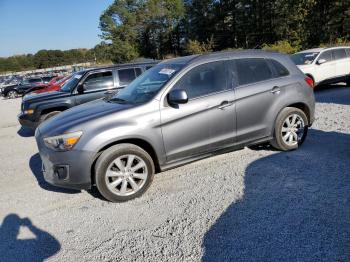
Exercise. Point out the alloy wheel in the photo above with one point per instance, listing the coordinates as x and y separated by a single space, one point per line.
126 175
293 129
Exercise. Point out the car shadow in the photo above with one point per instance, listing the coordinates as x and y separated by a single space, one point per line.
39 248
295 207
35 165
25 132
336 94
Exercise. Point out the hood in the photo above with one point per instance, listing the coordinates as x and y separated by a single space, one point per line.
80 116
34 97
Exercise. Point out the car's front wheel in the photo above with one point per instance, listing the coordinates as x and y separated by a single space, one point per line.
291 129
123 172
12 94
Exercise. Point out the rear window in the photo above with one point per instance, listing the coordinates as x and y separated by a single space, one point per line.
252 70
279 68
126 76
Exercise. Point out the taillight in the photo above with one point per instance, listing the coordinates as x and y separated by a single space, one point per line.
310 82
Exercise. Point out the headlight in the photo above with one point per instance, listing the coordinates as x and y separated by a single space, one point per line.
63 142
29 111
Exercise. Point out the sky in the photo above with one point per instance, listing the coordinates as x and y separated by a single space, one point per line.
27 26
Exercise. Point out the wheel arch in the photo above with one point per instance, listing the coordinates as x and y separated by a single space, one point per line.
135 141
52 109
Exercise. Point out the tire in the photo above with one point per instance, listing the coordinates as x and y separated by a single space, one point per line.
284 125
47 116
12 94
115 162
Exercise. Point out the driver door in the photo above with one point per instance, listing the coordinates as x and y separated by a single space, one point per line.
207 121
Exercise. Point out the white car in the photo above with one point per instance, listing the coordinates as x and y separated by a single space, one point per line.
325 65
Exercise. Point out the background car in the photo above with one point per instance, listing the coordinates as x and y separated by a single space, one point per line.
54 86
54 81
325 65
14 91
82 87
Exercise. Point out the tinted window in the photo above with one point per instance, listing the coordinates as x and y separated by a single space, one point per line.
279 68
339 54
327 55
34 80
203 80
102 80
126 76
138 71
252 70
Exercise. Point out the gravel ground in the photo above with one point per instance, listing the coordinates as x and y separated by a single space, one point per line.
248 205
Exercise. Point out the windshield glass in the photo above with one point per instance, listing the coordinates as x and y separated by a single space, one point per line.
304 58
145 87
72 82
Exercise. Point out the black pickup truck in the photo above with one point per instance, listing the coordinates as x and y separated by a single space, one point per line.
83 86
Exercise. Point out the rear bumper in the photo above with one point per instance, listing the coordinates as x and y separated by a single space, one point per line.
69 169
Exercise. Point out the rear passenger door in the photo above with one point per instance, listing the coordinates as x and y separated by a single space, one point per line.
95 85
342 62
259 84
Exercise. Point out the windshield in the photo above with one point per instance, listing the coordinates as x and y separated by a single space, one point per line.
304 58
72 82
145 87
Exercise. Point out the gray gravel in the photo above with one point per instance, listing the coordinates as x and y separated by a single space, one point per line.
248 205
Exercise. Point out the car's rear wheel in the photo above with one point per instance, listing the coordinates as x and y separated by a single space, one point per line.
291 129
12 94
123 172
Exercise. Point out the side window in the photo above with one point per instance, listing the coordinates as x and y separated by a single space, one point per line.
339 54
279 68
35 80
126 76
203 80
327 55
99 81
252 70
138 71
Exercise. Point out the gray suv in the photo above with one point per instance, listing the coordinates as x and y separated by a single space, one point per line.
179 111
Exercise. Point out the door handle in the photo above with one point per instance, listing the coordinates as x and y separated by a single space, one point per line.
225 104
276 90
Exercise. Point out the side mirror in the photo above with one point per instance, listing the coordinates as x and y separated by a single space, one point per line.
321 61
177 96
80 89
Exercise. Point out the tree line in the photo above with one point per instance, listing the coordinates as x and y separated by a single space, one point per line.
166 28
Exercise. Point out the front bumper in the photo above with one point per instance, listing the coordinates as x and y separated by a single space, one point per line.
27 121
68 169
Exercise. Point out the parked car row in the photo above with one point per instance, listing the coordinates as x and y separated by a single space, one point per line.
24 86
158 116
